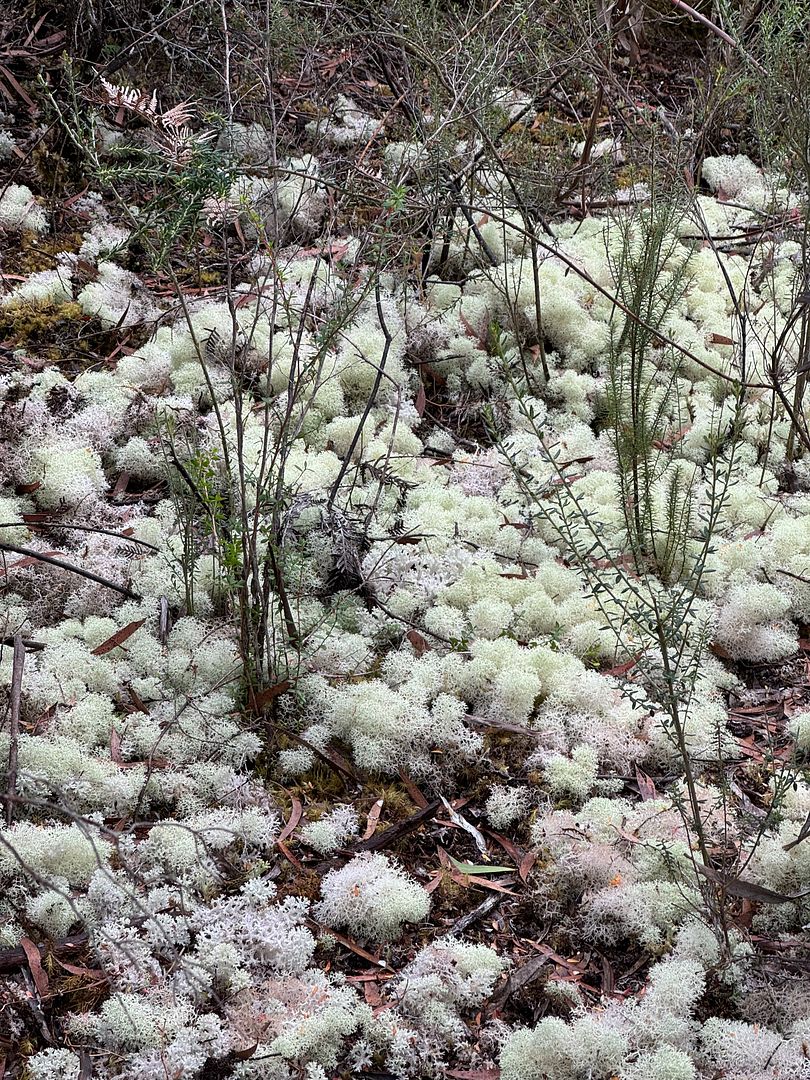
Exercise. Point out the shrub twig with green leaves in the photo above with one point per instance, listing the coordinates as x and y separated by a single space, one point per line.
649 601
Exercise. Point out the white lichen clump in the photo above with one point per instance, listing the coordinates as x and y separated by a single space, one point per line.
19 210
372 898
54 1064
506 805
331 831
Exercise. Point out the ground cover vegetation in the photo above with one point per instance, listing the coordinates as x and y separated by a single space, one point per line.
404 540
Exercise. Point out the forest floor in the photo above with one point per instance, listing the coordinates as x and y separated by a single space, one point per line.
405 536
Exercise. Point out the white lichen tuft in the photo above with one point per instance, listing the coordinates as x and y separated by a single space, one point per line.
331 831
19 210
372 898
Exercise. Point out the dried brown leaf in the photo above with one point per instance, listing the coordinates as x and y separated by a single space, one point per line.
295 817
34 959
118 638
646 786
260 700
358 950
373 819
96 974
474 1074
748 890
420 645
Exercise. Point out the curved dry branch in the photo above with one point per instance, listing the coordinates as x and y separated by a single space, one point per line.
63 565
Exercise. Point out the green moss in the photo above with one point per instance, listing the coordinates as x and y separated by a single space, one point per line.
60 332
34 252
306 883
549 130
201 277
49 330
397 803
58 163
631 173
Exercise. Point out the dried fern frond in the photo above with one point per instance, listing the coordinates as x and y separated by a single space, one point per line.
179 117
171 127
347 539
230 354
127 97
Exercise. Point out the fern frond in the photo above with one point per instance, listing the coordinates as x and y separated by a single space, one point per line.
172 128
178 117
136 101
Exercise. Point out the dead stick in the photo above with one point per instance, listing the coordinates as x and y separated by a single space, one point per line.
484 908
51 561
395 832
715 29
14 957
16 697
29 643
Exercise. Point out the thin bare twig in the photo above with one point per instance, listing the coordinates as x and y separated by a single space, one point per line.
371 399
14 725
715 29
51 561
28 643
82 528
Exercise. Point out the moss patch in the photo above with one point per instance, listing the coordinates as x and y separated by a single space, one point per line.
49 331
